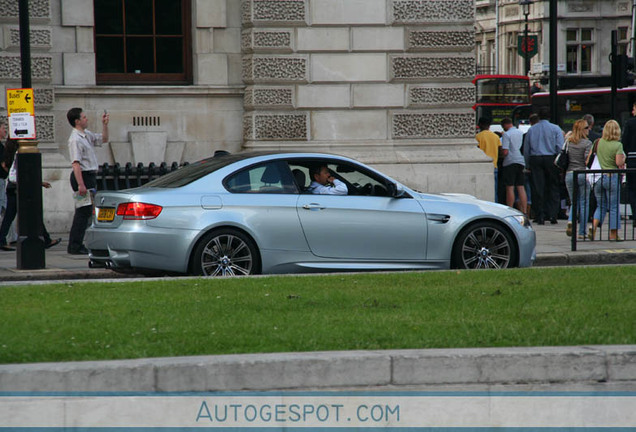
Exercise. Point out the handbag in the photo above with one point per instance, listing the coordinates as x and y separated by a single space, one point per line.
562 160
595 165
592 156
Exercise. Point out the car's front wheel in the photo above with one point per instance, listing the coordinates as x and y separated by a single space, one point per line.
484 245
225 252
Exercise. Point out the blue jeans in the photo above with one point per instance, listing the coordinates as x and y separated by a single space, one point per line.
496 185
583 193
608 197
3 195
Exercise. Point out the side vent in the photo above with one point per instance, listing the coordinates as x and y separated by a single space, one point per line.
439 218
146 121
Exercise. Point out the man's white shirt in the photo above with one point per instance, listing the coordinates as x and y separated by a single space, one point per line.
81 149
338 188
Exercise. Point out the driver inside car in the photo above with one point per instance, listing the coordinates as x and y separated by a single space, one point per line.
324 183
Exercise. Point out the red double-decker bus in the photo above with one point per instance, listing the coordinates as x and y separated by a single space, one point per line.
498 95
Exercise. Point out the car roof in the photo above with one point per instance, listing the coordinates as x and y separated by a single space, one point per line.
234 157
221 160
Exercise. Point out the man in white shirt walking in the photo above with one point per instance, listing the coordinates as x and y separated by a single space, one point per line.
81 146
513 165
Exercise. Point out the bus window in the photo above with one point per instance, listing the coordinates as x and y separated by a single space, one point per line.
498 95
574 104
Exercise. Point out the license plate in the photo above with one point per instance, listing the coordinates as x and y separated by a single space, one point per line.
105 214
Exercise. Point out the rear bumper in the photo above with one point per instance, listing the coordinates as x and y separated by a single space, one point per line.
152 248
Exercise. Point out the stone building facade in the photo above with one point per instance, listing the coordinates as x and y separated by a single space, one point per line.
385 81
583 31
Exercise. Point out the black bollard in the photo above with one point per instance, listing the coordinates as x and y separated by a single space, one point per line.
30 248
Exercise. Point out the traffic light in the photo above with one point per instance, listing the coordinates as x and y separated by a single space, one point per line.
624 71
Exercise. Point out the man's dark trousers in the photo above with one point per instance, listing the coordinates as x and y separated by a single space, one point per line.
631 183
545 187
82 216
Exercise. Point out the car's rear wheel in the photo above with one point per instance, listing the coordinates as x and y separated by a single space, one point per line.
484 245
225 252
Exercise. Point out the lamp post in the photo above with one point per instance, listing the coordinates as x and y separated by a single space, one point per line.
30 251
526 11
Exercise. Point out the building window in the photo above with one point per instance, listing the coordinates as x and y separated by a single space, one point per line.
142 41
579 50
492 55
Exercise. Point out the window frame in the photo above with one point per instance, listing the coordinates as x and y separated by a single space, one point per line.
582 51
342 171
512 59
154 78
287 183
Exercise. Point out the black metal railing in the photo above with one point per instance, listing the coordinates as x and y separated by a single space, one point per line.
116 177
610 193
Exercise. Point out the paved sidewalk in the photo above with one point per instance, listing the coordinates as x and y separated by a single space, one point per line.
553 249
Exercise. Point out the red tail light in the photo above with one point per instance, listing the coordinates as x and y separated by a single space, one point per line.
138 211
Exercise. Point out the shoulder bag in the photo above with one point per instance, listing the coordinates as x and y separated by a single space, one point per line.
593 164
592 155
562 160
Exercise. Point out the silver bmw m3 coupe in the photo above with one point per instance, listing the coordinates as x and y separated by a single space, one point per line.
251 213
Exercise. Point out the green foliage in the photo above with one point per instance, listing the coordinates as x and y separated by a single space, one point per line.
527 307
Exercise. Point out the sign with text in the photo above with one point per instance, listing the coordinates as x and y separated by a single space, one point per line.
545 67
21 113
22 126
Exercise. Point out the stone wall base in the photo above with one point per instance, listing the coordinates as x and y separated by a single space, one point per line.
576 367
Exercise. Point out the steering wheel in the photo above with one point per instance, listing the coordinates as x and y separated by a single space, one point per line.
367 189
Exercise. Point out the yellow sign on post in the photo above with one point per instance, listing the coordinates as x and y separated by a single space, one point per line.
21 113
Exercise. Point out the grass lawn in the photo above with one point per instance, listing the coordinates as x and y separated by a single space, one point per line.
521 307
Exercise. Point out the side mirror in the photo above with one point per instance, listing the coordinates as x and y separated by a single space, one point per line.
396 190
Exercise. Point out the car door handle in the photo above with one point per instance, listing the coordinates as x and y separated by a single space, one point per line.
313 206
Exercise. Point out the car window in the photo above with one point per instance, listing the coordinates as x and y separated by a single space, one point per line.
194 171
358 180
270 177
363 183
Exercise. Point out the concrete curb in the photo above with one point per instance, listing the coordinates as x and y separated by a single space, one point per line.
53 275
394 369
548 259
603 257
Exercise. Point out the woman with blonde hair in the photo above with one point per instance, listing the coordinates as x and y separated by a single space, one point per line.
578 148
611 156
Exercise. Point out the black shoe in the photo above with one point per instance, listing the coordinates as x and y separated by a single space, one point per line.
6 248
79 251
540 221
553 221
52 243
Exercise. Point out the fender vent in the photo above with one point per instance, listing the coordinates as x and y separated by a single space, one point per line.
440 218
